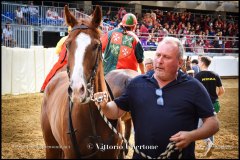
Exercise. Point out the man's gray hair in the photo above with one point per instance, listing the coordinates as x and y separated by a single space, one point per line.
178 42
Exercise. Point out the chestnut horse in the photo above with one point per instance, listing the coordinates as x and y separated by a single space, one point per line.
71 123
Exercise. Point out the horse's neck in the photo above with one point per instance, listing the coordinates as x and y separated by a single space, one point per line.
100 84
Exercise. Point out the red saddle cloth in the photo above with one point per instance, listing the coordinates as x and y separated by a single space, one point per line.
59 64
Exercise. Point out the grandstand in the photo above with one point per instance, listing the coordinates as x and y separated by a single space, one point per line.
206 26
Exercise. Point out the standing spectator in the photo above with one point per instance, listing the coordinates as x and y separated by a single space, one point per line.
228 45
33 10
207 41
198 48
144 34
122 48
165 106
191 40
149 66
151 44
148 21
155 33
195 66
183 40
153 17
19 16
212 82
137 31
216 46
26 13
189 69
55 15
197 29
49 14
211 33
162 33
108 14
7 35
121 13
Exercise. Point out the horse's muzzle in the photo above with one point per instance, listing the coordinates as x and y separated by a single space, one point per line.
78 94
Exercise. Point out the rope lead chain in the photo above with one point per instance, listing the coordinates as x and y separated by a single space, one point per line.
165 155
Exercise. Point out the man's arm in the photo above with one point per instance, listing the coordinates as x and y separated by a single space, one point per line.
210 127
110 109
184 138
220 91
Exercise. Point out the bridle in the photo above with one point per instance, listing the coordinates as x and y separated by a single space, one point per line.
90 82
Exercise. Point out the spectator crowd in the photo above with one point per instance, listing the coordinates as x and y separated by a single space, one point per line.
198 33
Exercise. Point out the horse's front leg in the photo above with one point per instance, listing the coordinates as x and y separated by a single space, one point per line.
53 150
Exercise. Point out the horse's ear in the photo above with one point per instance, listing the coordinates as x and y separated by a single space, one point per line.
97 16
69 17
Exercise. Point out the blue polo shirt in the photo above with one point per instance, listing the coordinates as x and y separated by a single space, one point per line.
185 101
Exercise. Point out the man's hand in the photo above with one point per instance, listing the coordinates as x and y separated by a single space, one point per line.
182 139
101 98
110 109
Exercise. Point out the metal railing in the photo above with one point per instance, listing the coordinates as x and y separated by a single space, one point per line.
22 34
30 13
45 16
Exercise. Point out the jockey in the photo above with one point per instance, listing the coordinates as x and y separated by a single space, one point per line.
122 48
62 60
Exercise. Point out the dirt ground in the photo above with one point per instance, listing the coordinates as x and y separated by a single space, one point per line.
22 135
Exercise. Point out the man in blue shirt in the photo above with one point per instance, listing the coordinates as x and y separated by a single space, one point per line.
165 106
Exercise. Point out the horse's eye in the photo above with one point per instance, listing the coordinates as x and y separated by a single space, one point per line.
95 46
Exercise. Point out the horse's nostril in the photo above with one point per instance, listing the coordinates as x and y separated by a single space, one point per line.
82 89
70 91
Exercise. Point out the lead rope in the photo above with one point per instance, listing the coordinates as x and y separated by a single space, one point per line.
171 148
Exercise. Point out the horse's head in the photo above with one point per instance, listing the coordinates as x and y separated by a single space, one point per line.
84 53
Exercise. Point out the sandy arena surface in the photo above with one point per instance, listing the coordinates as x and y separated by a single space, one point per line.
22 135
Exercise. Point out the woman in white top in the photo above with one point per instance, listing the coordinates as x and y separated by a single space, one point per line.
19 16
